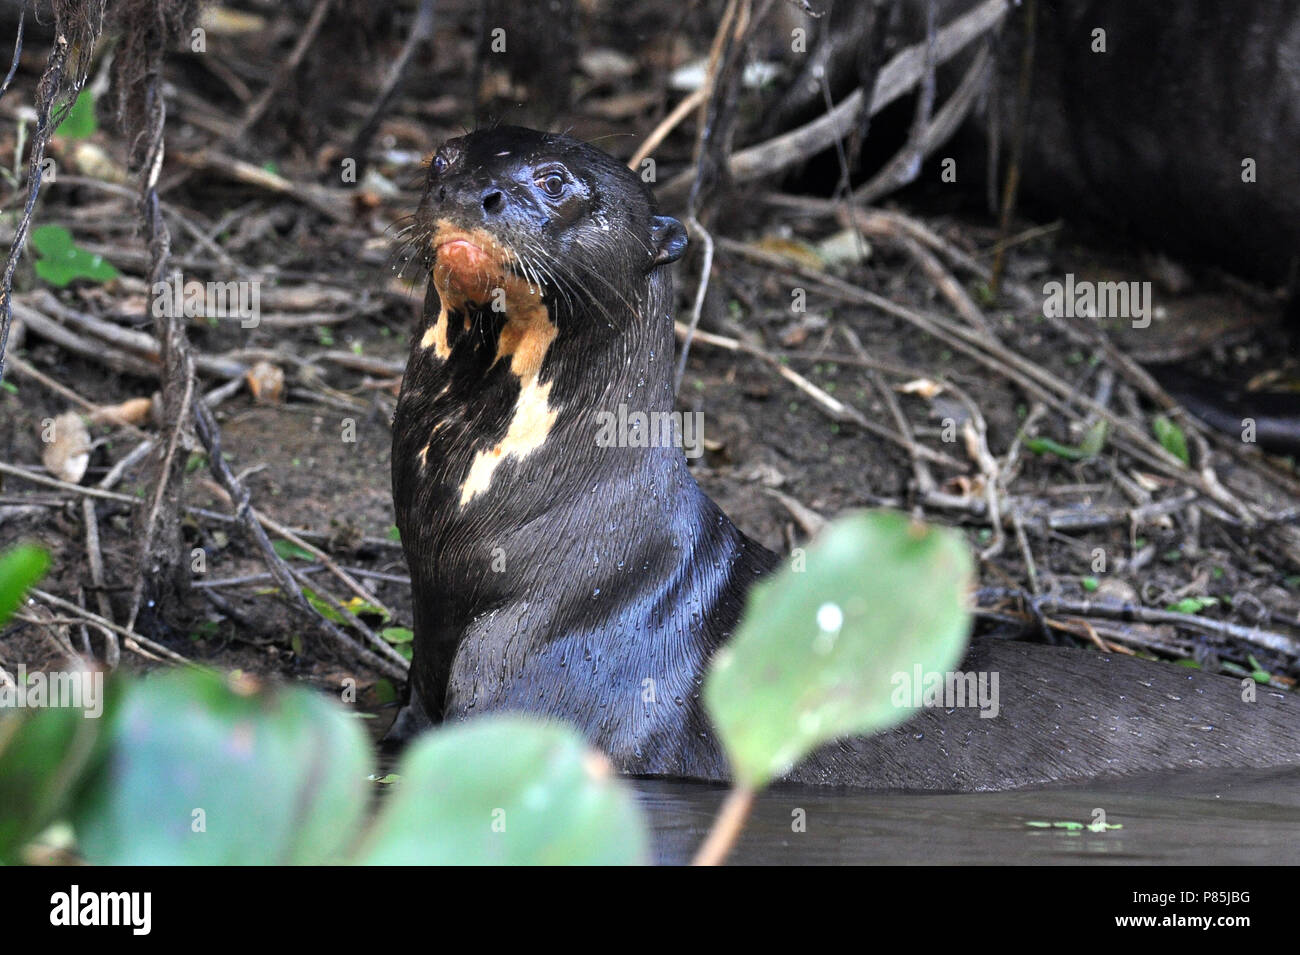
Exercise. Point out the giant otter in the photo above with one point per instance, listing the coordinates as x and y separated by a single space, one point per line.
555 574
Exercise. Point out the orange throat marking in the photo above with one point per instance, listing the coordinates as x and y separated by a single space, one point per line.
471 267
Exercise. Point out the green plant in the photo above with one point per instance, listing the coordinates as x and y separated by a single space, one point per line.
62 261
1093 441
1171 437
79 123
815 655
20 569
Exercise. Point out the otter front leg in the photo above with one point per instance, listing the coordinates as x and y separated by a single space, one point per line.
426 685
412 719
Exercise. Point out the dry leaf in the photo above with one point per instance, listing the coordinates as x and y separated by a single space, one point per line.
266 382
132 411
604 64
67 447
792 249
92 160
924 387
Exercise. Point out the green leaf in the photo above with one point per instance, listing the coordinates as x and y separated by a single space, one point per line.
817 651
1192 604
362 608
79 123
323 607
506 790
45 756
200 771
983 294
1095 439
20 569
1089 447
61 261
1171 437
204 630
397 634
1258 673
287 550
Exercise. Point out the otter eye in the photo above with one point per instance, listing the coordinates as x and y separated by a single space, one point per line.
552 184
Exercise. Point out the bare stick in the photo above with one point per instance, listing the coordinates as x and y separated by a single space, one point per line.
937 274
1049 603
18 51
706 269
920 470
36 478
350 582
46 94
1012 186
421 30
132 638
334 203
906 164
259 106
157 537
1035 379
667 125
95 557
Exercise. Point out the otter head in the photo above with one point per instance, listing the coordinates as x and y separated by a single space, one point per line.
512 213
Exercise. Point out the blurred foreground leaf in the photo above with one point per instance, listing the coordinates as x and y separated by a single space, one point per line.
201 772
817 650
504 790
45 754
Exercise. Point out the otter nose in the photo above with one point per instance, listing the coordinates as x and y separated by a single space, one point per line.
493 200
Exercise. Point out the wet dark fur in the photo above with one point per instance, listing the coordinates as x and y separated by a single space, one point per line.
617 569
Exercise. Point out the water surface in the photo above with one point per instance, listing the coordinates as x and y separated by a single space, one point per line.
1188 817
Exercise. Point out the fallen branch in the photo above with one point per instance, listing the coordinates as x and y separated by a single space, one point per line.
1050 603
897 77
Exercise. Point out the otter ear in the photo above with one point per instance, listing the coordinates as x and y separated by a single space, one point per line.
669 237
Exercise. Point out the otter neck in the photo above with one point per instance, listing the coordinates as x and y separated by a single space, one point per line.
502 408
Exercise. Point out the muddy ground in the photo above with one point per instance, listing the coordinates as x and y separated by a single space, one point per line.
774 454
